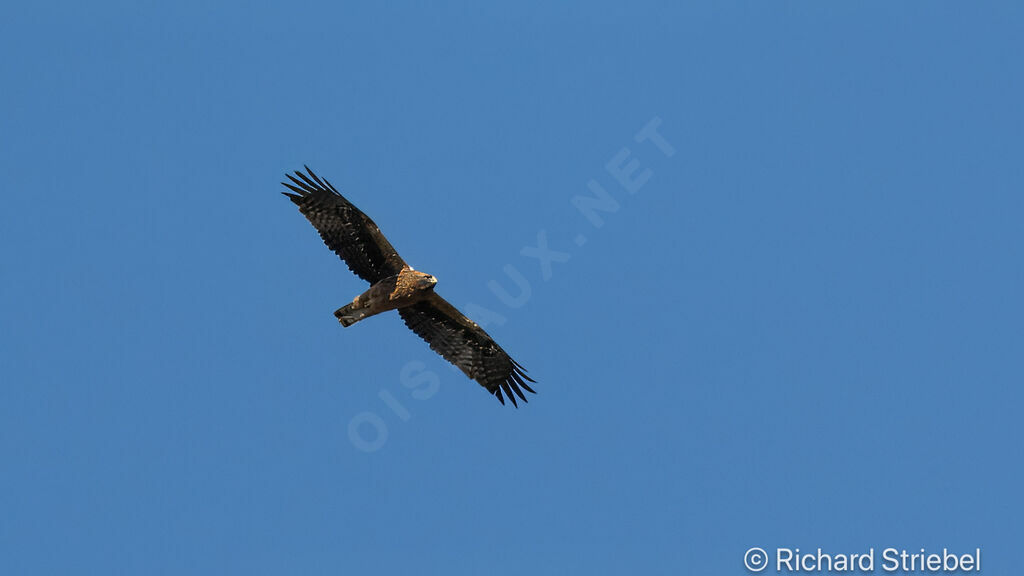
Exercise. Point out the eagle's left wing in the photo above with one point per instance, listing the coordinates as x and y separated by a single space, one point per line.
465 344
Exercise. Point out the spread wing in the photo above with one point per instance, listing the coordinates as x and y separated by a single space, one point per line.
465 344
344 228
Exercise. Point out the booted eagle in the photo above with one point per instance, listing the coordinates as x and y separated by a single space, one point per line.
394 285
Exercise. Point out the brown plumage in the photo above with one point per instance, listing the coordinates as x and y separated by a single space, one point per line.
394 285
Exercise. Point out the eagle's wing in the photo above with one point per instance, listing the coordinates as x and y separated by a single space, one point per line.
344 228
465 344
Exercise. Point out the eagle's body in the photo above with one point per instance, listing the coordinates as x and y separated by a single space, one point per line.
394 285
403 289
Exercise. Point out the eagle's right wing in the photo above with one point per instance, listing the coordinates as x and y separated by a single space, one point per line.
344 228
465 344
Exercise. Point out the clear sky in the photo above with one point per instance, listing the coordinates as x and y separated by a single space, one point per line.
791 319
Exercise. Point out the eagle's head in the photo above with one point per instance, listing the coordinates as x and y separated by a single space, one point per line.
426 282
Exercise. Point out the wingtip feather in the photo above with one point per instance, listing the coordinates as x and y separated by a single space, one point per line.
508 392
308 182
519 380
298 193
315 177
298 187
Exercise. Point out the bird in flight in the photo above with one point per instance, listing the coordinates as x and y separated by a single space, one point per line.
394 285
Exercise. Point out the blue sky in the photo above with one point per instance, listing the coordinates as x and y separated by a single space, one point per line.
804 329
